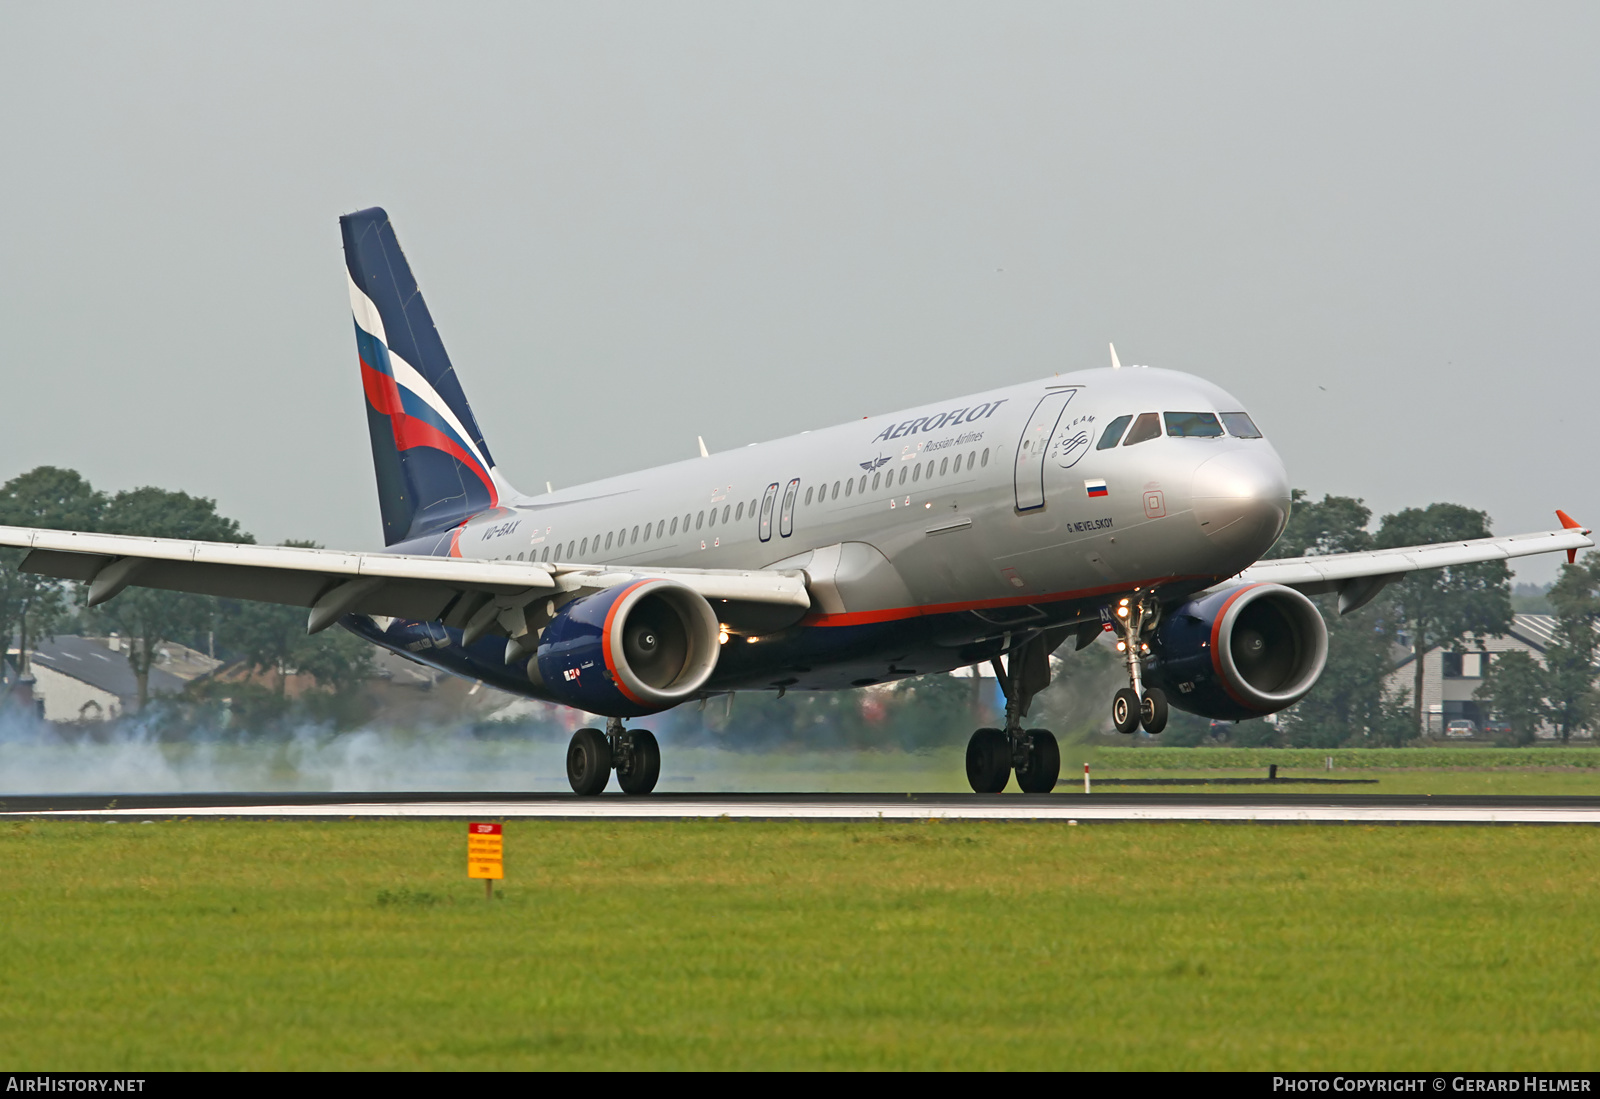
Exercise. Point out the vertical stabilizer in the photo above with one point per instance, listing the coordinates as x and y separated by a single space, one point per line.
433 466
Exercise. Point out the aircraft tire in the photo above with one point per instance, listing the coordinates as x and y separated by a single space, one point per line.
988 761
641 777
1153 711
588 762
1044 763
1125 710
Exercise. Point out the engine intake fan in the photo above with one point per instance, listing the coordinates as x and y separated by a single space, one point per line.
630 650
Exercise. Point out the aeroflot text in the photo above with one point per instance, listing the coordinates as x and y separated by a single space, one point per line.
1423 1084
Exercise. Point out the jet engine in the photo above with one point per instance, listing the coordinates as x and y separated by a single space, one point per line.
1239 653
629 650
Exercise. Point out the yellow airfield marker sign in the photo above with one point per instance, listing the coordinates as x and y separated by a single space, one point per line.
485 854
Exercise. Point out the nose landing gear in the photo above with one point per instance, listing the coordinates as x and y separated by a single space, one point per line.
1138 705
632 753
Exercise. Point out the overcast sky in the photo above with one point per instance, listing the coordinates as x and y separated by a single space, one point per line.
1374 224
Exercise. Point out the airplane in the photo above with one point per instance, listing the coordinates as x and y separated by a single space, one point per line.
985 529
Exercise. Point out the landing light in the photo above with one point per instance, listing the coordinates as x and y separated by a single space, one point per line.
752 640
722 638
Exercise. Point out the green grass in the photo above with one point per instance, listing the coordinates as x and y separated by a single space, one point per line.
1344 758
361 945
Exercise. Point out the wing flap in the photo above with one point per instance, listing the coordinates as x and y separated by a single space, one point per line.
412 587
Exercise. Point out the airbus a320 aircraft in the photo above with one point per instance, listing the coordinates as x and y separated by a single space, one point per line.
986 528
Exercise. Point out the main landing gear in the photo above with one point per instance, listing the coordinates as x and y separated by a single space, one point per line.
1138 705
632 753
994 754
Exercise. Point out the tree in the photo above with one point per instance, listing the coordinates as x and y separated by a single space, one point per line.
56 499
1569 662
147 616
1348 702
273 638
1437 608
1515 687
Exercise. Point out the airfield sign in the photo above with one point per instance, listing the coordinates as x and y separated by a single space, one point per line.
485 854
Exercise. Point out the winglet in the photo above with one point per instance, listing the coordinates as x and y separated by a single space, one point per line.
1115 365
1569 523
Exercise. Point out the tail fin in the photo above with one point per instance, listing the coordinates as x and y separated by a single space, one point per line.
433 465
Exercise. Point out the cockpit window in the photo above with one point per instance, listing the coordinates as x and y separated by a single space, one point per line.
1113 433
1193 425
1145 428
1240 426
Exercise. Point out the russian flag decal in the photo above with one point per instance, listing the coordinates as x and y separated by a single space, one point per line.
1096 488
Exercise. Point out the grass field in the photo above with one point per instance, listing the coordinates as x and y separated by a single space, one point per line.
713 944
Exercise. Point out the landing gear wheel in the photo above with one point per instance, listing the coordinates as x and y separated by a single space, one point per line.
645 766
1044 763
588 762
1153 712
1125 710
988 761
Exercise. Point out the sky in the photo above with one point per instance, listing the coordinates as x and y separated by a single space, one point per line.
1375 224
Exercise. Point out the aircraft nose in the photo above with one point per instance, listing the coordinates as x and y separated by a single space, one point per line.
1241 500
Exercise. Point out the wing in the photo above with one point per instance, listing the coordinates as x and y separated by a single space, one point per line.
476 596
1358 577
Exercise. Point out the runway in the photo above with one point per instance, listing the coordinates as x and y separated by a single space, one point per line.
1063 808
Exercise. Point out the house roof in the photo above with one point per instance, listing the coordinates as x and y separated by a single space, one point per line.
93 663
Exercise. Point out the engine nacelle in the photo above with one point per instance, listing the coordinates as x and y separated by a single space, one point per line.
1239 653
629 650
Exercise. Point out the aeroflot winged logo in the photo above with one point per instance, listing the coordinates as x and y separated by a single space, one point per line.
874 464
943 419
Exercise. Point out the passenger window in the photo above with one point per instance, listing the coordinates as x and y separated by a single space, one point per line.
1240 426
608 539
738 512
876 479
674 528
836 490
585 548
633 539
713 520
725 509
849 486
699 520
661 528
752 509
862 487
686 523
903 471
929 470
647 527
985 457
916 473
519 556
943 466
546 556
1113 433
1145 428
1193 425
809 491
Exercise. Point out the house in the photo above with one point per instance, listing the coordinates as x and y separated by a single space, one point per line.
1450 680
88 678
